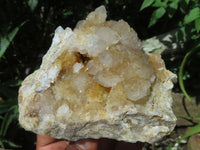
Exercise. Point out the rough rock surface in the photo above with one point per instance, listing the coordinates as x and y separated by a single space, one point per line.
96 81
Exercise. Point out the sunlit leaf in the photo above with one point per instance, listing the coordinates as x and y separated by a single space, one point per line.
174 4
197 24
6 40
192 15
192 131
160 3
32 4
187 1
157 14
145 4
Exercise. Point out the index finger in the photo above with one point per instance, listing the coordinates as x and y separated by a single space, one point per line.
45 142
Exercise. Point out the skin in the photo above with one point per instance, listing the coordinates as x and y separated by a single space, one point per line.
45 142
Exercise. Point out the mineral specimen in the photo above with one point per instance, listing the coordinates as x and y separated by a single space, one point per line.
96 81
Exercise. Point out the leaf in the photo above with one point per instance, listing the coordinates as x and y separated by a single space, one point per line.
12 144
107 2
5 41
187 1
8 118
1 144
183 33
181 69
197 24
160 3
192 131
171 12
145 4
3 125
67 13
174 4
182 8
192 15
32 4
195 36
196 118
157 14
190 118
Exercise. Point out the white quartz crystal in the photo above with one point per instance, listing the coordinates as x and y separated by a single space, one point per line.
96 81
77 67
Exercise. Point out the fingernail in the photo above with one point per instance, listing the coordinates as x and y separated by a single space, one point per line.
86 145
83 145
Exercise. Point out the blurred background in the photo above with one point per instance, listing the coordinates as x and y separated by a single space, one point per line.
26 32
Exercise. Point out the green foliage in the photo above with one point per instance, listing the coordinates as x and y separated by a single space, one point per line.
22 48
188 28
10 108
190 10
32 4
11 144
192 131
157 14
187 1
180 74
190 118
11 114
160 3
192 15
146 3
197 24
6 40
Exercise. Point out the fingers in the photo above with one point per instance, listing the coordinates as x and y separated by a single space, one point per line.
88 144
45 142
60 145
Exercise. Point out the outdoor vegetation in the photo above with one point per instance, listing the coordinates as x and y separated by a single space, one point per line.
27 28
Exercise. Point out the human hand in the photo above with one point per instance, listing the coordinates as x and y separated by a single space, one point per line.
45 142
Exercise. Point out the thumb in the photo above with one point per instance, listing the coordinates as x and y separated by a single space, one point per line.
88 144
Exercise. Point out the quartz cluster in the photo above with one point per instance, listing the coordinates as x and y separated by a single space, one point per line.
96 81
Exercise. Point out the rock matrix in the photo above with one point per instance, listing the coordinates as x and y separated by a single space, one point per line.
96 81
